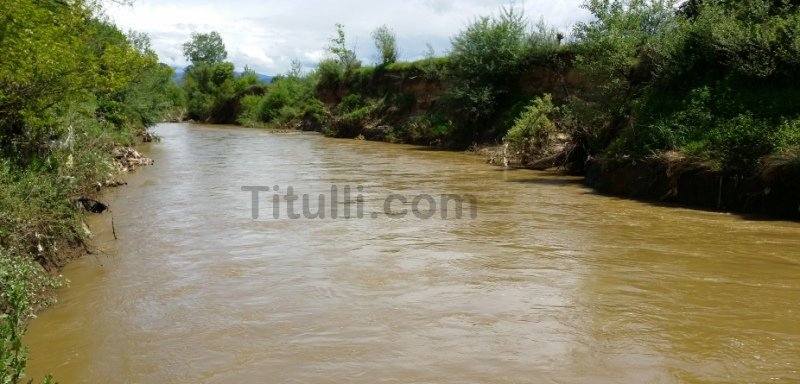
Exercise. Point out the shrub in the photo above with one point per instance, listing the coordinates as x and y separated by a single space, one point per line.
544 42
534 131
329 74
289 100
484 61
353 115
433 130
249 112
431 68
712 80
788 136
209 87
741 142
350 103
270 105
19 280
72 86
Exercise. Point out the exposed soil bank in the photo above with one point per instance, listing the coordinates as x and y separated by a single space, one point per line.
776 194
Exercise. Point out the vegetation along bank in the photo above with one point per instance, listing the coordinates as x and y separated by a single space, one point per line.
75 94
692 103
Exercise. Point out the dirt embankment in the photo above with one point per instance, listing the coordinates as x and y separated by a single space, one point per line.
775 193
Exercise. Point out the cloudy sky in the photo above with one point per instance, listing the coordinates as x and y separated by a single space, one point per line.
268 34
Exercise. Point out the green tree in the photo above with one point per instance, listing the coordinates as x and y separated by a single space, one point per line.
205 48
344 55
213 90
386 43
485 61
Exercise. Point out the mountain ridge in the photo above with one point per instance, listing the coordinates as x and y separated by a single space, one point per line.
181 71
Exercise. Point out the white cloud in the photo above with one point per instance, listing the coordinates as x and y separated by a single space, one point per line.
268 35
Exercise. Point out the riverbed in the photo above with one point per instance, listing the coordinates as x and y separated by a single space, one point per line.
549 282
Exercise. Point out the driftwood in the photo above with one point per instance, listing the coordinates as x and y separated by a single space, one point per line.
548 162
90 205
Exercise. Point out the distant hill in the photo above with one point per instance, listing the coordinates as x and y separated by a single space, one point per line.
179 72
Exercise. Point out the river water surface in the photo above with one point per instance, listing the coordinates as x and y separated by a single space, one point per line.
551 283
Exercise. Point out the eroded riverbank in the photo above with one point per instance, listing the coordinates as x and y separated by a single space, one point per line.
550 283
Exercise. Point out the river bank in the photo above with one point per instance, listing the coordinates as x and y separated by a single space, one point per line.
676 180
772 193
403 104
76 93
410 103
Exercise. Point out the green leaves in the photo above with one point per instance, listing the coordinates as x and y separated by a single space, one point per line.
72 86
19 278
345 56
485 62
205 48
386 43
534 130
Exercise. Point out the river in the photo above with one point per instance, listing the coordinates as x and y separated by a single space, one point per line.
549 283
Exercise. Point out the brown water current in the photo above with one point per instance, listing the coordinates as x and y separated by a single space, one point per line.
551 283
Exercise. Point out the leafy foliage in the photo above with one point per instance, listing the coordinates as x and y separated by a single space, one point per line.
343 55
213 90
18 280
534 130
712 81
72 86
485 59
485 65
386 43
205 48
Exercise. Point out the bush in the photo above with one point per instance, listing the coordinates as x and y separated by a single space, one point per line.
350 103
788 136
72 87
543 45
20 281
712 81
353 115
485 66
249 112
289 100
534 131
432 68
209 88
484 62
270 105
741 142
329 74
434 130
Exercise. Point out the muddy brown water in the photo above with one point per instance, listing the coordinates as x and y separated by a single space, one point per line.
551 283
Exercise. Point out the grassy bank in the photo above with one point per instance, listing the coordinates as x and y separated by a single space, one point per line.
697 86
72 88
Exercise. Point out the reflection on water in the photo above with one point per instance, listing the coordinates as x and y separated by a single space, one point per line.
551 283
